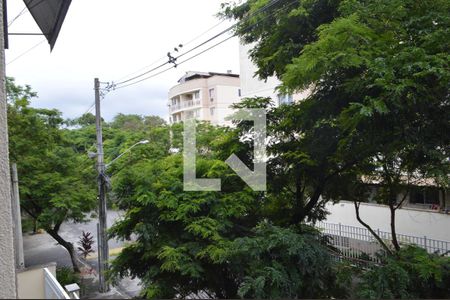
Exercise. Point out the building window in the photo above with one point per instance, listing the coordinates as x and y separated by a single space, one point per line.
211 110
284 99
211 94
239 93
425 195
197 94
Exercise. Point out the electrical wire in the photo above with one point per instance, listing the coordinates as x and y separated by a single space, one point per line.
165 56
19 56
114 86
172 67
174 59
24 10
117 86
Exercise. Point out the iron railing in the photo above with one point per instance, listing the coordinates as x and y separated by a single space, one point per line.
358 243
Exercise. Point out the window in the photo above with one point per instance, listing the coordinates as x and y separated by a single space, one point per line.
284 99
426 195
239 92
211 110
211 94
197 94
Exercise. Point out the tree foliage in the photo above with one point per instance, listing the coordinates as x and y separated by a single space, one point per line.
413 274
57 183
377 76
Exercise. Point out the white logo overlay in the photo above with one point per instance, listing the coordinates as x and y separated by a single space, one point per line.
255 179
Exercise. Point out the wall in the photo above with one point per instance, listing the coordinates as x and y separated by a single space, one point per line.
433 225
7 265
226 96
31 281
251 86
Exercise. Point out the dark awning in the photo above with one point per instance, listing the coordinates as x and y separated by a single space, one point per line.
49 16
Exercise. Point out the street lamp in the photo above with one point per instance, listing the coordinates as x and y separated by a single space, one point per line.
126 151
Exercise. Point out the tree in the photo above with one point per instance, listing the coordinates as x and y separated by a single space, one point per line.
192 243
56 182
378 77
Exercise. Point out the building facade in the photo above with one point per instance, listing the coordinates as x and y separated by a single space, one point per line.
8 282
204 96
252 86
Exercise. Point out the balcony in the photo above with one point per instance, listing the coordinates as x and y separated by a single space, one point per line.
40 283
184 105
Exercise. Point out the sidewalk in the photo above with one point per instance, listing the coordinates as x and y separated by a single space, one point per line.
127 288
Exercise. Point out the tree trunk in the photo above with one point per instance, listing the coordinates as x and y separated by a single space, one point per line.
393 229
69 247
377 237
301 214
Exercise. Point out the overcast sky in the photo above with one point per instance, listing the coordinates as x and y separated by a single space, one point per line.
110 39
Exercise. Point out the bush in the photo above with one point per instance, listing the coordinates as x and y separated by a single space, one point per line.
287 263
411 273
65 276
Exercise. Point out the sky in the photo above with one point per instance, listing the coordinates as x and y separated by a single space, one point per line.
110 40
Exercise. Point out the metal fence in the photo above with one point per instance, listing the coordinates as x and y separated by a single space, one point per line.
358 243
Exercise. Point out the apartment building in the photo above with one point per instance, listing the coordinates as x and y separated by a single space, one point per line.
252 86
205 96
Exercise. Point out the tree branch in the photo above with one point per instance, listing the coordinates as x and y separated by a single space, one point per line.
377 237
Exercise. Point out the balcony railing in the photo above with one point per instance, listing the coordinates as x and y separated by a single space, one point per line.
39 282
185 104
52 288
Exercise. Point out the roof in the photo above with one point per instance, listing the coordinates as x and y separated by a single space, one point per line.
195 75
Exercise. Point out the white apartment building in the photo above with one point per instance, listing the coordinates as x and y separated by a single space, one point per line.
205 96
251 86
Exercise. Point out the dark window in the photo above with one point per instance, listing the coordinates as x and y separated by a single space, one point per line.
426 195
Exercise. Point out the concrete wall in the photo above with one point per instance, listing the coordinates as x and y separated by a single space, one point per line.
7 265
433 225
31 281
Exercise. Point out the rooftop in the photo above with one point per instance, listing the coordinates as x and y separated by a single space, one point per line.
195 75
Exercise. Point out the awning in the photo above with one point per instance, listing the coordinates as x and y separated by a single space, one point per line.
49 16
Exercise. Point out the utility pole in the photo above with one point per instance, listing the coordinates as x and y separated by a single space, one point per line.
102 239
17 217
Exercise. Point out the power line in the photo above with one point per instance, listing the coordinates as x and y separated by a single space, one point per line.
198 46
16 58
165 56
24 10
172 67
174 59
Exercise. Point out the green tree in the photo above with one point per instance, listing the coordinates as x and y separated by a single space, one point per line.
191 243
56 182
377 75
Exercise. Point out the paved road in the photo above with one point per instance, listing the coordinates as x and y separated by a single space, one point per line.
42 248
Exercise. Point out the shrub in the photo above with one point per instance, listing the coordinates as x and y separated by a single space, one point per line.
65 276
411 273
